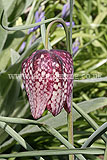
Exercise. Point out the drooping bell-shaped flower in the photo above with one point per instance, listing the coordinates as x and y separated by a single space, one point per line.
48 80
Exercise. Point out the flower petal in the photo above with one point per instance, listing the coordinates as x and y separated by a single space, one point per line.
55 103
68 77
43 87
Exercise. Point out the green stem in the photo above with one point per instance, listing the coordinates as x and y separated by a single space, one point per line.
65 28
70 117
105 155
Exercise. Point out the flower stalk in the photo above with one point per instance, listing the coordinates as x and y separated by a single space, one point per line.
61 21
70 117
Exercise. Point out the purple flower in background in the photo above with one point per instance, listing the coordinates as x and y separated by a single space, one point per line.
67 23
66 10
39 15
65 13
22 47
33 38
75 46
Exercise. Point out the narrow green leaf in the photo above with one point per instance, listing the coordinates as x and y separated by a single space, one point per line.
3 33
78 84
24 27
93 124
97 134
89 151
99 64
16 136
44 127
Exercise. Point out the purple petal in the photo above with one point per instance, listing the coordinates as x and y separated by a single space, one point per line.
66 10
76 46
75 49
42 15
67 23
36 16
22 46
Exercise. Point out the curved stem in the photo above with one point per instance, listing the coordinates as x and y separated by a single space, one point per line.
66 32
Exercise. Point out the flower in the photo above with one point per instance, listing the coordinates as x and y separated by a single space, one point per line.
67 23
65 10
65 13
75 46
22 47
48 80
39 15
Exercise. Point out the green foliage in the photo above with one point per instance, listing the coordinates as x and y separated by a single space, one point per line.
90 82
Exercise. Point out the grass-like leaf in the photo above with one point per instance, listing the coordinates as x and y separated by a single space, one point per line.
16 136
44 127
24 27
97 134
89 151
93 124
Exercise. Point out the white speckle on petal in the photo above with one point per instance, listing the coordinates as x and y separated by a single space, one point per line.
54 70
47 75
53 63
52 105
55 86
30 72
39 69
42 56
65 75
57 65
53 98
65 85
59 84
57 74
57 80
54 93
31 65
43 73
41 86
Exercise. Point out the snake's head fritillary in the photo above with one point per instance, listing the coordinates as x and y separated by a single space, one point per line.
48 80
